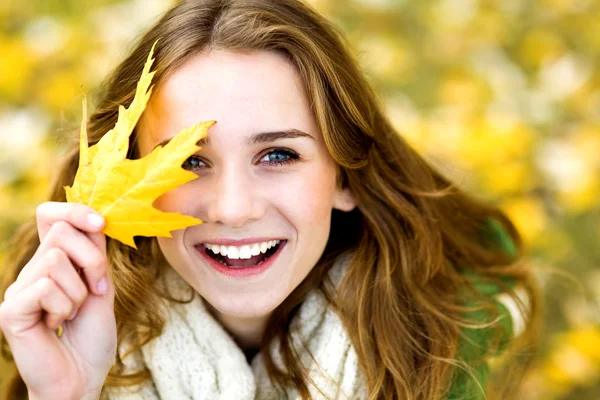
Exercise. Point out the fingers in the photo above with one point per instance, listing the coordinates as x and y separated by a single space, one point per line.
50 289
57 266
53 300
20 314
99 239
75 246
80 216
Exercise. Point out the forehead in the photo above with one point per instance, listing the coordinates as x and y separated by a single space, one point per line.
243 92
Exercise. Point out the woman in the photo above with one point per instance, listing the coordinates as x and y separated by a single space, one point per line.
378 277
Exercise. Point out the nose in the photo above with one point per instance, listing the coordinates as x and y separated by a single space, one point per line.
235 200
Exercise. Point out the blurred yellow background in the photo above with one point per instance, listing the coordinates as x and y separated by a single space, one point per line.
502 95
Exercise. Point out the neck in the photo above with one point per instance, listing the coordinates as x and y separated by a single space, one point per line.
247 332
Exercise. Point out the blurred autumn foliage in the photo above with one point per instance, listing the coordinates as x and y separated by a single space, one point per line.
503 95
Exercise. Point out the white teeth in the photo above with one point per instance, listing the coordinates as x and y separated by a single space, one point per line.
245 252
233 252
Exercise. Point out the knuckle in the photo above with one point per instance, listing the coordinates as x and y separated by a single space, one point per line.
59 231
8 316
54 257
80 294
45 286
60 228
41 210
10 291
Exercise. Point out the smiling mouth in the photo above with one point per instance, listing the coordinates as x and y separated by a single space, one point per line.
243 263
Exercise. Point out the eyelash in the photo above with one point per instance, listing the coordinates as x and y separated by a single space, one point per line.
291 157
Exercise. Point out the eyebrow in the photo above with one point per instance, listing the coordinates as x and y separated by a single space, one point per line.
257 138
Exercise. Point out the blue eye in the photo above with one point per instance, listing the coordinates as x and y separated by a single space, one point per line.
193 163
275 157
280 156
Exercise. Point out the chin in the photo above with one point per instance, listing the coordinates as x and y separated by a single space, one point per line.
251 305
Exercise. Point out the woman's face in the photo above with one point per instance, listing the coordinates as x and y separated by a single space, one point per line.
263 175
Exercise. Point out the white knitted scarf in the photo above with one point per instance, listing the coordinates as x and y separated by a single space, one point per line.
195 358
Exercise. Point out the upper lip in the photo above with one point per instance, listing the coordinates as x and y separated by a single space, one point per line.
237 242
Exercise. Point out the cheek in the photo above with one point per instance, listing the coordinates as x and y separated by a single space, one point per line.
308 195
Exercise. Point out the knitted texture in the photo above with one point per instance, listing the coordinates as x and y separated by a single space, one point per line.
195 358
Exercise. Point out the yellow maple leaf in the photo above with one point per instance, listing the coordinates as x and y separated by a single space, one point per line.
123 190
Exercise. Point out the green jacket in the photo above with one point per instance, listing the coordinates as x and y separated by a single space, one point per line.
475 344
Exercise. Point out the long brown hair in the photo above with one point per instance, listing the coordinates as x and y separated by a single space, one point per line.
413 234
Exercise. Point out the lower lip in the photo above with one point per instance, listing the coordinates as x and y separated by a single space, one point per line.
240 272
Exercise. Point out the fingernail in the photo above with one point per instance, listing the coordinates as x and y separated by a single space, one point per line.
95 220
102 286
73 314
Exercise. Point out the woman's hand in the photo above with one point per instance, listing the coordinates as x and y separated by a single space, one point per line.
65 283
